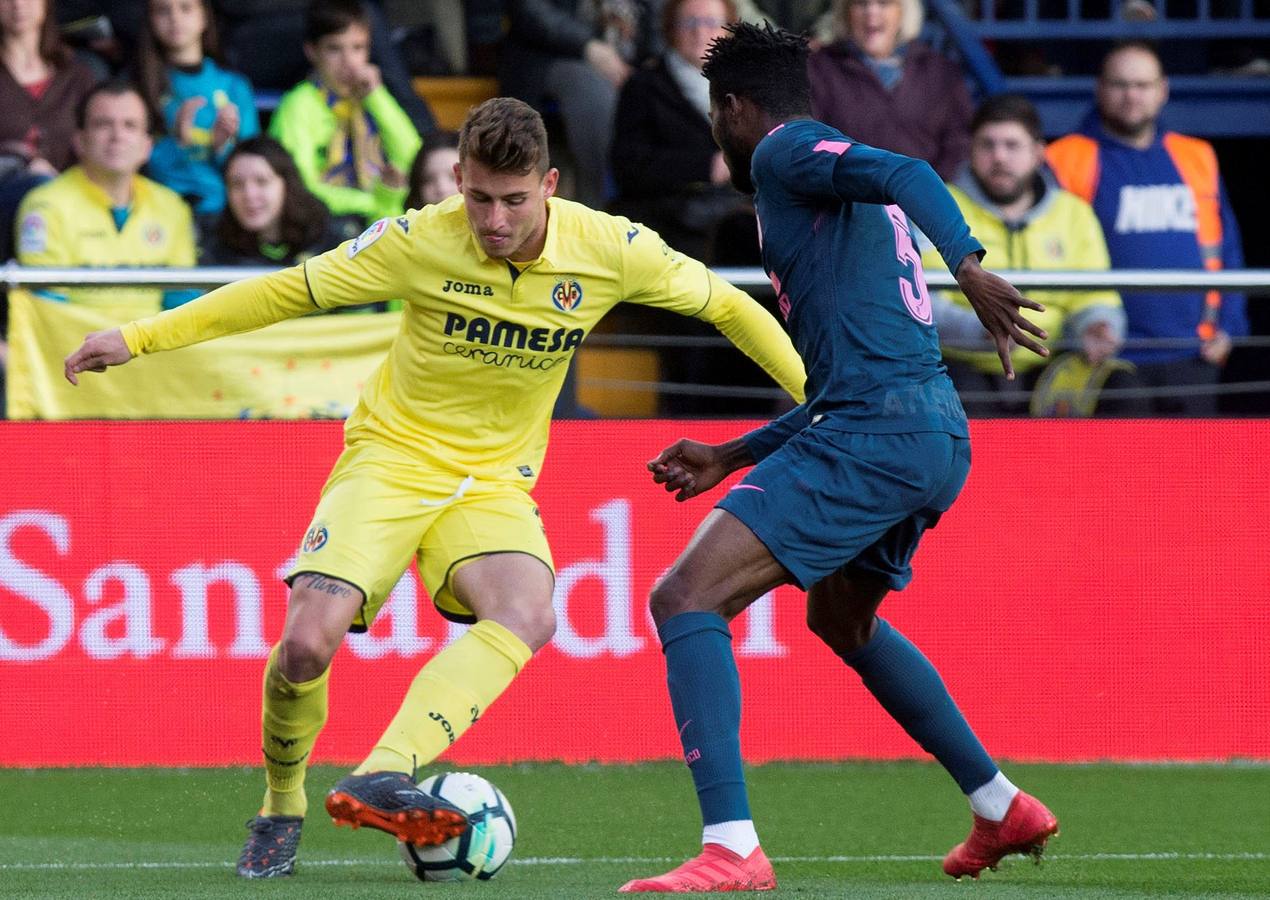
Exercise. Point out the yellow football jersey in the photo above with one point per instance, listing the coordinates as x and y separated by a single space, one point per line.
68 222
470 381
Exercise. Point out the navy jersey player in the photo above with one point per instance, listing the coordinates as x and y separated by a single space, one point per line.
843 486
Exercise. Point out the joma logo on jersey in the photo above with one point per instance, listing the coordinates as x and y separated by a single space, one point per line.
567 295
464 287
1152 208
445 725
480 330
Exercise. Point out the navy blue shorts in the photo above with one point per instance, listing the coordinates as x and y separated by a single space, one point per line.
827 499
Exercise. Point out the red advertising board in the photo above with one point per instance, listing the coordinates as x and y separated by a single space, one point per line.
1100 591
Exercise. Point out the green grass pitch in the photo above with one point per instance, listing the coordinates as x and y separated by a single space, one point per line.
858 830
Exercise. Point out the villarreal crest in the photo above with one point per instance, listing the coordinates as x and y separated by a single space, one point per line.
315 540
567 295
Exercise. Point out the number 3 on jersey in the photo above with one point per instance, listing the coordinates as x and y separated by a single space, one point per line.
916 296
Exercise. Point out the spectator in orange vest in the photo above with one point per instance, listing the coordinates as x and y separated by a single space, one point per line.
1162 205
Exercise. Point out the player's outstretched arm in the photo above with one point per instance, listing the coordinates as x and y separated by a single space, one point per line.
230 309
997 303
655 275
756 333
99 350
692 468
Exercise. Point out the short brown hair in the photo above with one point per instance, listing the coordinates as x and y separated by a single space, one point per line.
1008 108
114 87
327 17
1138 44
507 135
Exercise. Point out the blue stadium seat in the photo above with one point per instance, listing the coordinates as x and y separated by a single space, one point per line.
1212 105
267 101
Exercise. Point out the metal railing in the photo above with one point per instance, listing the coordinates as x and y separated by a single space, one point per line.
754 280
13 275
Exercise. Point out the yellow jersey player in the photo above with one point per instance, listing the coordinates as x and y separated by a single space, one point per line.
500 286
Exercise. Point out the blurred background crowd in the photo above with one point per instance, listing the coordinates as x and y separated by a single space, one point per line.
1105 134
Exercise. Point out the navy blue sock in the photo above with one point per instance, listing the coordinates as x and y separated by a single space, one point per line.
909 688
705 693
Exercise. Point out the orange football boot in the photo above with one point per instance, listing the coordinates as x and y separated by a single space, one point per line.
716 870
1025 829
392 802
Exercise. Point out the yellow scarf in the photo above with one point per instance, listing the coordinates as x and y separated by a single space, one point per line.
355 155
1069 387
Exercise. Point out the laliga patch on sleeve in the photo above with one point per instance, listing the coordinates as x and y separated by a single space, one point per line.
33 234
367 237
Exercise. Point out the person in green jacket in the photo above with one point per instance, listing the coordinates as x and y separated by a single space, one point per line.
350 139
1025 221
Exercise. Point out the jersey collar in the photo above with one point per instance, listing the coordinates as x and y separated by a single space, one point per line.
98 195
551 244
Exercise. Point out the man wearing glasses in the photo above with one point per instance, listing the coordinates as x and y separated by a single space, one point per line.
1162 205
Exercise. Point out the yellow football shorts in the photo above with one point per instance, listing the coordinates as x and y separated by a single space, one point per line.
380 508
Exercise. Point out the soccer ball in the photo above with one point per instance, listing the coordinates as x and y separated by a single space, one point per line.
481 850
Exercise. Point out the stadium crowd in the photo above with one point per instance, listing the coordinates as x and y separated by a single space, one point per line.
235 132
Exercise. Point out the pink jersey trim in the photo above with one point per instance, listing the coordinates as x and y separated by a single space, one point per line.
776 129
835 147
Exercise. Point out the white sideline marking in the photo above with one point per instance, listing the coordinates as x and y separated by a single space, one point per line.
651 860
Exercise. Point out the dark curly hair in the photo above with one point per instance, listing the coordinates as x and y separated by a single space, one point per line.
304 217
764 64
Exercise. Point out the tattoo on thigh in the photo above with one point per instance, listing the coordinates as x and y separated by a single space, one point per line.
332 586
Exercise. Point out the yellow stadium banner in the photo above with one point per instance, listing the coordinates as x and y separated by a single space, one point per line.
310 368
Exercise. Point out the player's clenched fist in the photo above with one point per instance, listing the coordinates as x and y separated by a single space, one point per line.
691 467
99 350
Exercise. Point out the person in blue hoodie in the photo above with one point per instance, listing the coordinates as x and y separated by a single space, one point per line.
1162 205
204 108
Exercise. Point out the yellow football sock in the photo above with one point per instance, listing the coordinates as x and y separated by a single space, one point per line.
290 719
447 696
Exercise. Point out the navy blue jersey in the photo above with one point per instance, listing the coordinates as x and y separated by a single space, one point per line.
838 246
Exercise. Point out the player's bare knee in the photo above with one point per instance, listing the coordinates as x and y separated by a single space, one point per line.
840 631
819 623
854 636
530 616
532 622
671 596
538 627
303 656
848 637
